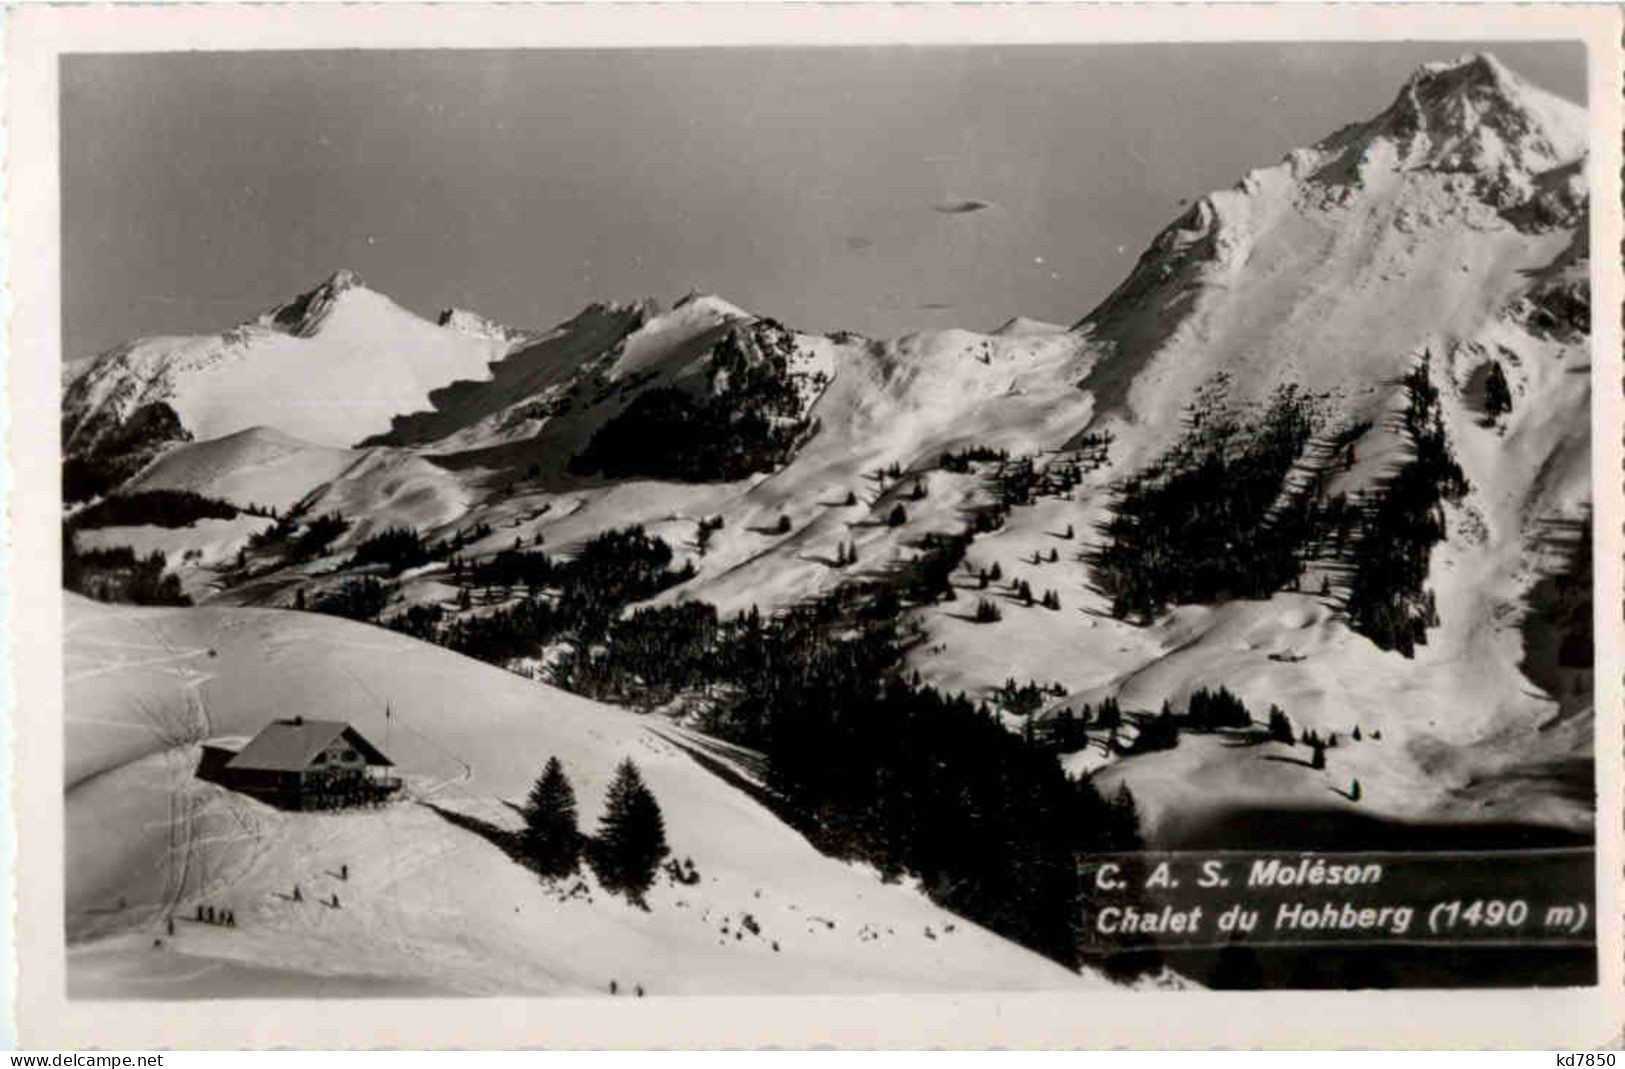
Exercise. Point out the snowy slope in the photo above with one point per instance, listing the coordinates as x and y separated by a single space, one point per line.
258 466
517 398
1338 266
331 367
901 403
384 488
430 906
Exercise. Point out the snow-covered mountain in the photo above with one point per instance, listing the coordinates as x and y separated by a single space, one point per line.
1336 267
331 366
1447 232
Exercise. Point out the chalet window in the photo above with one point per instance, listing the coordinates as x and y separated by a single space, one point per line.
349 755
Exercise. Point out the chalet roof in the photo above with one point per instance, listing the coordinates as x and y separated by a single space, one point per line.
290 745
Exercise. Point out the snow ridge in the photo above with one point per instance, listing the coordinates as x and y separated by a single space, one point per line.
475 325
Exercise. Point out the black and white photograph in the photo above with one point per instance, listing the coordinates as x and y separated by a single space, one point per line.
623 523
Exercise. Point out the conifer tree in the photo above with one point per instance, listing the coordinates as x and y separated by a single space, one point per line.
897 517
631 836
1280 726
1497 394
1125 817
552 839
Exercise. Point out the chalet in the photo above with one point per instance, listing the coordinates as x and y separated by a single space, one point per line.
304 764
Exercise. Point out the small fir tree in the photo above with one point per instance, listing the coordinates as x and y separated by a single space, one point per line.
1280 725
631 838
552 839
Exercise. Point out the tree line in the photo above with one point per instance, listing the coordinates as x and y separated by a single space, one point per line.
156 508
119 574
1388 598
1201 525
566 599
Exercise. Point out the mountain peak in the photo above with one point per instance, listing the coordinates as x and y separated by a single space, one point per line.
711 303
1473 68
1472 115
343 279
303 316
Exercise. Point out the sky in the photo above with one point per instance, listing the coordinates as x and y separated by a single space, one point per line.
817 186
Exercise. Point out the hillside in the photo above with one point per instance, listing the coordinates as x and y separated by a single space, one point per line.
258 466
431 906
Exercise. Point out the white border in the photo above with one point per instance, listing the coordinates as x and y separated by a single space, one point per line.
1572 1018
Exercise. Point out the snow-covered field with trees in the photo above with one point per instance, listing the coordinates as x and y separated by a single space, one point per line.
431 903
